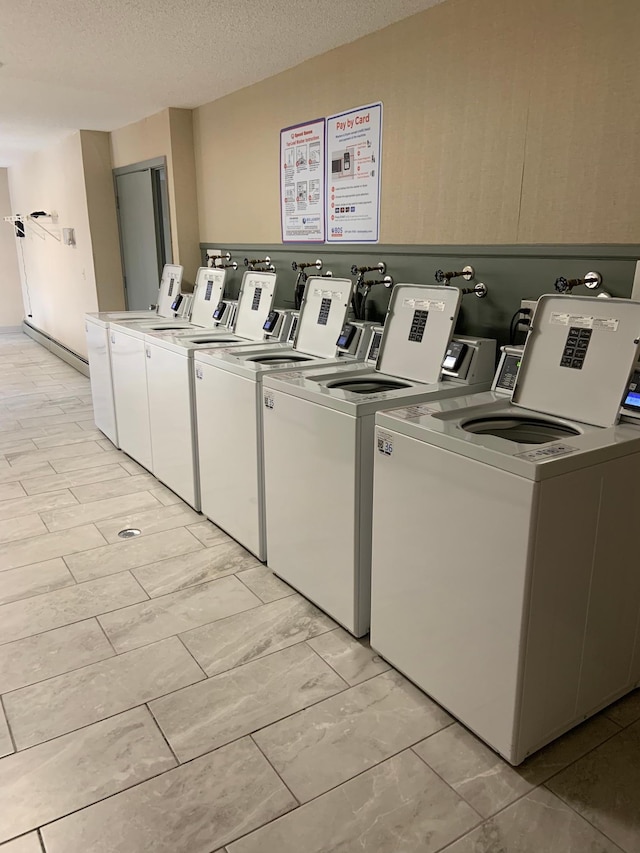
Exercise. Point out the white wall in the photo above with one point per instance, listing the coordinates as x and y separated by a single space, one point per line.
62 280
11 307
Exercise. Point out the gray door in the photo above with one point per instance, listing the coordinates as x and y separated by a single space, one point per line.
141 252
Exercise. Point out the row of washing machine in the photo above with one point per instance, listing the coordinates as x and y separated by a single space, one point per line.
488 535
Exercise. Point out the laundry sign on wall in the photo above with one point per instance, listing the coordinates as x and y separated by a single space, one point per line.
354 149
302 182
330 178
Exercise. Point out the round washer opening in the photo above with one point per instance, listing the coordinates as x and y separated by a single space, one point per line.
277 359
520 430
367 386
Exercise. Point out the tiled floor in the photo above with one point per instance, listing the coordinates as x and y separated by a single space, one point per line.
168 694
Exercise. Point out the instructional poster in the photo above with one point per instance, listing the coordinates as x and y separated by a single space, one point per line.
302 182
354 149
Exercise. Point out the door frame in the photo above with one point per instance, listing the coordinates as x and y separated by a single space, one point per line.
161 209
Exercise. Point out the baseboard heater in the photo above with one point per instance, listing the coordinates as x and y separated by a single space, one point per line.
72 358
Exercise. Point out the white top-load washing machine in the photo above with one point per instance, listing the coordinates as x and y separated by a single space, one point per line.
505 575
130 353
97 329
318 445
169 377
229 407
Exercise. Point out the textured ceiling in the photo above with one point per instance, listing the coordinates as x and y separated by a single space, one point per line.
101 64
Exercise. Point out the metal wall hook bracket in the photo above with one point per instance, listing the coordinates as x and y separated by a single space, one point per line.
466 273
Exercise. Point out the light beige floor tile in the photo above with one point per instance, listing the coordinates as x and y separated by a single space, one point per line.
64 606
124 485
12 529
172 614
11 491
132 467
196 808
131 553
53 482
43 656
317 749
486 780
81 463
45 547
10 474
264 583
32 410
76 437
626 710
205 716
25 445
6 745
36 503
269 628
538 822
177 573
165 496
31 580
604 787
73 771
29 843
352 659
84 696
397 806
98 511
150 520
50 454
50 420
208 533
38 432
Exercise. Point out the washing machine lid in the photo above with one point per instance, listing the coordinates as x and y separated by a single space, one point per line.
417 331
322 315
170 285
208 293
254 303
578 357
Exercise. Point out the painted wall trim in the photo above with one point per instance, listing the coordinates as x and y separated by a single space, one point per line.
153 163
72 358
604 251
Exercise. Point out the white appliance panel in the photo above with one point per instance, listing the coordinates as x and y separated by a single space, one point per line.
130 391
170 421
451 618
104 411
311 541
230 455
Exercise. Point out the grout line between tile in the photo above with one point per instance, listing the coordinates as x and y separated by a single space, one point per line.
326 663
584 817
4 711
268 760
162 734
192 656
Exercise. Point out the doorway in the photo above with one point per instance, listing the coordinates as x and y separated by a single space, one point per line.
142 202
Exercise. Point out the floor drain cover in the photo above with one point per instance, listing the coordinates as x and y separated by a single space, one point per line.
129 533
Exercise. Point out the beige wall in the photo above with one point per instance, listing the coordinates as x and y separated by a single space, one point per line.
103 221
61 279
168 134
11 307
504 122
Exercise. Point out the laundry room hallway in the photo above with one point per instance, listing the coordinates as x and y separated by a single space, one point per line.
166 692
